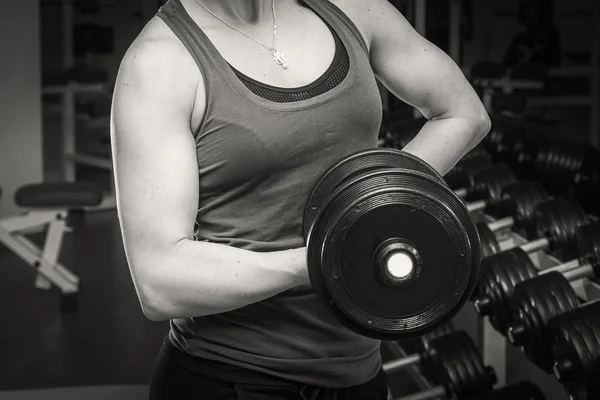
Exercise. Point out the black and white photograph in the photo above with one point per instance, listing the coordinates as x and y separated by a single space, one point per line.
300 200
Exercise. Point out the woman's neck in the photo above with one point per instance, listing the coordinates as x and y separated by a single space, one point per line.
244 11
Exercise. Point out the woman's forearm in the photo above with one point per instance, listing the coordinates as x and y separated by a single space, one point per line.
442 142
200 278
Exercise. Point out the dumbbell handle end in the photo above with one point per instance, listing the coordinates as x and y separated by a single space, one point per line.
462 193
536 245
437 392
476 205
584 271
562 268
502 223
394 365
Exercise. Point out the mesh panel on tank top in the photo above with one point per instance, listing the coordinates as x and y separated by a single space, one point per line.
334 75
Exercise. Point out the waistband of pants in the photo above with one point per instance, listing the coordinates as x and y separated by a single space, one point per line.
224 372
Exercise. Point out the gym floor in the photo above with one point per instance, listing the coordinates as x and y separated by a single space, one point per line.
107 341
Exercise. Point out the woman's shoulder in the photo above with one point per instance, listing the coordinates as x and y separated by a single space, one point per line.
156 44
364 14
354 10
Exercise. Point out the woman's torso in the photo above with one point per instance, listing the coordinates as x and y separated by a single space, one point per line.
258 160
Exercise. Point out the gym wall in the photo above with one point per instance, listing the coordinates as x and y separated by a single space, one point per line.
20 99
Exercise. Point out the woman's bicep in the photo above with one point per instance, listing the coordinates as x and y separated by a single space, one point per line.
154 154
416 70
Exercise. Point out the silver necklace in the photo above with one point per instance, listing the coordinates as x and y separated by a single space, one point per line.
277 55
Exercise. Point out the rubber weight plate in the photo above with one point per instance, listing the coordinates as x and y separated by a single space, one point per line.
535 303
371 223
558 220
457 365
518 201
461 175
558 160
488 184
499 275
354 164
575 341
489 242
421 344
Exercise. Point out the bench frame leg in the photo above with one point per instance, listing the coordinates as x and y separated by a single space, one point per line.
45 260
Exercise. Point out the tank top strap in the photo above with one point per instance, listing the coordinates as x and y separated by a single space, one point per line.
191 36
338 17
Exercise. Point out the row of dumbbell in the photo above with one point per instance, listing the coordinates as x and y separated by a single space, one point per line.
563 166
525 207
562 227
522 301
450 361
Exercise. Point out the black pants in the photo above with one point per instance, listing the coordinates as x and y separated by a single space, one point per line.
178 376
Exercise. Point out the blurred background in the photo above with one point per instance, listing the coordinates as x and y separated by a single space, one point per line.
535 64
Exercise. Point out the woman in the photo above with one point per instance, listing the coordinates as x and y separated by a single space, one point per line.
226 112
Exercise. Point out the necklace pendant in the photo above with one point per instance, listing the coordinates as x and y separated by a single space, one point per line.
279 58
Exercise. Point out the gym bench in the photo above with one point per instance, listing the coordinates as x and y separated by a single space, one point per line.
48 204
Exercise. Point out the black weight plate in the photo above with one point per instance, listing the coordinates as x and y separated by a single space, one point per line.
518 201
519 391
356 163
575 341
487 185
378 206
535 302
499 275
558 220
460 176
458 365
420 344
489 242
555 300
558 161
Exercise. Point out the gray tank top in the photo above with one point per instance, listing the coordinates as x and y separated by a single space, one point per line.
257 163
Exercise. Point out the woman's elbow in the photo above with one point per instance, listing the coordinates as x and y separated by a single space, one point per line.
152 297
481 126
153 304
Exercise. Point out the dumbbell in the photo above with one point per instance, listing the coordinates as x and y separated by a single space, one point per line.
504 139
455 363
524 390
575 346
392 252
421 344
461 174
553 222
554 160
539 299
501 272
486 185
517 206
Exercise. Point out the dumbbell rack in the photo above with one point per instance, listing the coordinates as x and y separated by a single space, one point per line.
493 345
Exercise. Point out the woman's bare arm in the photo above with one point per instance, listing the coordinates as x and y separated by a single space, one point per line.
422 75
157 186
